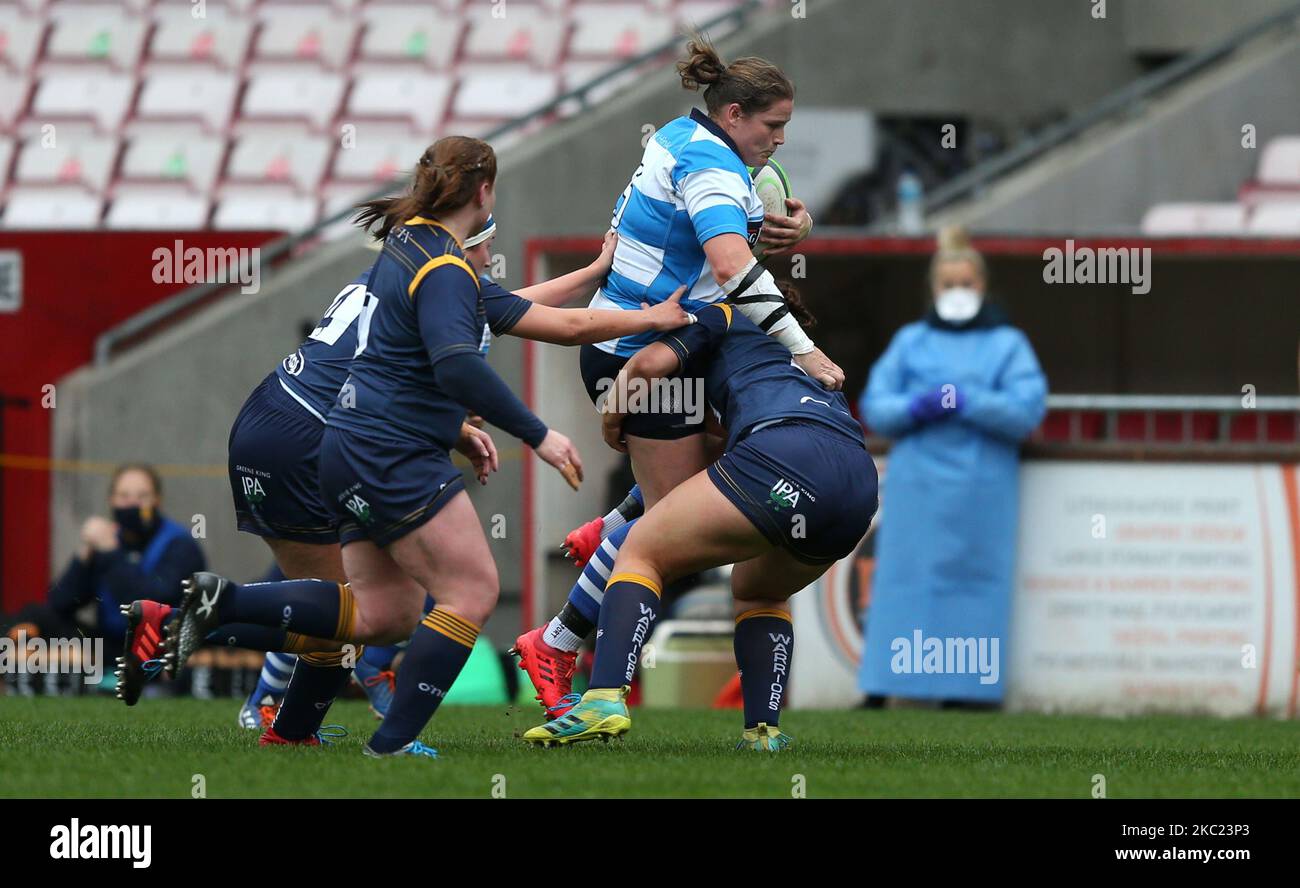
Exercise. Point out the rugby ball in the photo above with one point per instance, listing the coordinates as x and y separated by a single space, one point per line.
772 188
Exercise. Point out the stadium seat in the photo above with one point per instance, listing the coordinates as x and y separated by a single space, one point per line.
374 159
69 161
44 208
501 92
1276 219
1195 218
417 99
1279 162
524 35
616 32
693 13
299 160
410 34
164 157
266 209
102 97
20 40
157 209
293 95
97 36
290 34
182 38
189 93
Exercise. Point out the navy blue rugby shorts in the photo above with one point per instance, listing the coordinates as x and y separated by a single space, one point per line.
382 490
809 488
274 451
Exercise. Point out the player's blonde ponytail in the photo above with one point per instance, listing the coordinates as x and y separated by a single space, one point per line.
954 245
446 177
751 82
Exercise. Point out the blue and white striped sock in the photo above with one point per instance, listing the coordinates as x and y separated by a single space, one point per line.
276 670
586 595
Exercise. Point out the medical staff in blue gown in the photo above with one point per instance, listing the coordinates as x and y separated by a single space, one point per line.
957 392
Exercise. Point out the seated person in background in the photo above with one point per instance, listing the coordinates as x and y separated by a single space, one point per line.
137 554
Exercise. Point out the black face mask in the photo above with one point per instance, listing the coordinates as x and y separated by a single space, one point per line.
137 525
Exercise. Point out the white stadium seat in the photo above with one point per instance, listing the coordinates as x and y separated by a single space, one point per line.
268 209
286 96
1195 219
1276 219
159 157
410 34
374 159
420 100
20 39
157 209
503 92
189 93
101 96
69 161
183 38
44 208
299 160
522 35
99 35
619 32
303 35
1279 162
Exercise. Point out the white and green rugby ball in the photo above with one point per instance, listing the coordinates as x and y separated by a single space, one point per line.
772 187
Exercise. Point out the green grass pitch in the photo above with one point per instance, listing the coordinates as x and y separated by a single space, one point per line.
93 747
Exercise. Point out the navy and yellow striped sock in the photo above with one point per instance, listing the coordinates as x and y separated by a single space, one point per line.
317 679
764 643
627 615
307 607
438 650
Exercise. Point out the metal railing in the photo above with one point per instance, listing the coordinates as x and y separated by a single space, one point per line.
142 322
1112 105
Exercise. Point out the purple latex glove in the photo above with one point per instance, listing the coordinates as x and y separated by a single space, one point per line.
935 404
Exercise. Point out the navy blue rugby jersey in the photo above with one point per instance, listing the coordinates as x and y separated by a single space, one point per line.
749 379
315 372
427 306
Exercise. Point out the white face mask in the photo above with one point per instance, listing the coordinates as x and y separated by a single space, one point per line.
957 304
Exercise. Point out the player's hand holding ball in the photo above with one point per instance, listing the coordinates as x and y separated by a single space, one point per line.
781 233
669 314
557 450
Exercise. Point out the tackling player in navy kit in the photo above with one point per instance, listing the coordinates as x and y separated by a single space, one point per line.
794 491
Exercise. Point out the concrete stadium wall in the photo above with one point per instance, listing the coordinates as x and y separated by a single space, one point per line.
1186 145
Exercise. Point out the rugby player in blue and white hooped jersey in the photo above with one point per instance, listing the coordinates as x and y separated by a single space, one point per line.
688 217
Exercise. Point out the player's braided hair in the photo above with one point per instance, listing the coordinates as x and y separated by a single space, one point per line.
794 302
751 82
446 177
